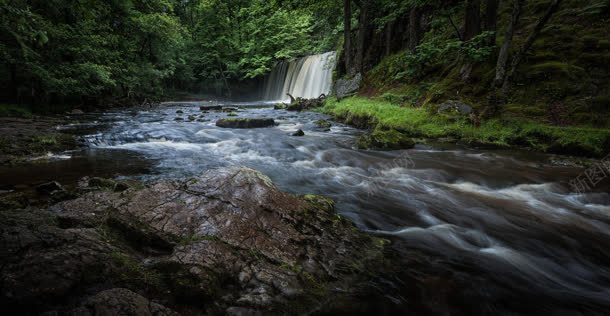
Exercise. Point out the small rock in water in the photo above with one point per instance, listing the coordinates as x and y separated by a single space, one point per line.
230 109
298 133
49 187
280 106
323 124
210 107
232 114
245 122
191 118
77 112
179 112
178 119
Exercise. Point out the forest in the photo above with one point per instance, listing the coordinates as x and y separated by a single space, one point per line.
304 157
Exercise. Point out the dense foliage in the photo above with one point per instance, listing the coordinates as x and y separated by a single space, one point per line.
92 51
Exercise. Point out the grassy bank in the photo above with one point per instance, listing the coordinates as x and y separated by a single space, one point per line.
385 119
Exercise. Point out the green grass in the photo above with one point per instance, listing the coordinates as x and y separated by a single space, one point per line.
498 132
11 110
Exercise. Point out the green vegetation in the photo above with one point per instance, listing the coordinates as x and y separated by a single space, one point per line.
11 110
383 117
56 54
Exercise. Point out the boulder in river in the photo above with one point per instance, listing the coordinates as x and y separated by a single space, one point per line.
49 187
225 241
324 124
210 107
298 133
385 139
280 106
245 122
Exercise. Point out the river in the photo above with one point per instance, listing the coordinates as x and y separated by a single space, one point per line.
475 231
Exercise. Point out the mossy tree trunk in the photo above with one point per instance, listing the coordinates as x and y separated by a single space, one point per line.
472 19
363 30
347 36
414 28
491 19
528 43
508 39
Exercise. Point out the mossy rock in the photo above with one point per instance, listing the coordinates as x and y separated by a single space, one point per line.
245 122
385 139
323 124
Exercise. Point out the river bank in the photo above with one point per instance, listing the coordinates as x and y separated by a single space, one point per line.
391 124
23 139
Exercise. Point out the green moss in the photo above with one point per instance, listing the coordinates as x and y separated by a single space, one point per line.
133 273
385 139
417 122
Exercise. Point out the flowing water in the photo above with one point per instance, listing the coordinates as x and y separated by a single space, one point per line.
475 232
306 77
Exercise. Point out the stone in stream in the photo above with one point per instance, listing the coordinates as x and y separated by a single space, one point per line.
245 122
230 109
210 107
179 112
298 133
49 187
226 240
324 124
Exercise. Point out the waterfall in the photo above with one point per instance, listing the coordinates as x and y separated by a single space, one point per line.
306 77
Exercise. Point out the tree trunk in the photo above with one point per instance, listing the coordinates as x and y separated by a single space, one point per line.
347 36
508 39
528 43
491 20
414 28
389 28
13 85
224 78
363 28
472 19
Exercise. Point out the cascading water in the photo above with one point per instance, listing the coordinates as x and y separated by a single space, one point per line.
306 77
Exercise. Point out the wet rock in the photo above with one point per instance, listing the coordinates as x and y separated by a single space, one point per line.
300 104
77 112
179 112
276 250
210 107
245 122
298 133
101 183
385 139
50 187
232 114
43 263
452 106
280 106
346 87
179 119
324 124
230 109
120 301
191 118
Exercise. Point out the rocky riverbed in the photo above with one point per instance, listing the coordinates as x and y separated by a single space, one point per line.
226 241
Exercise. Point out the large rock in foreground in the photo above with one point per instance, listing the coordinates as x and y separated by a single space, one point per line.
227 241
245 122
